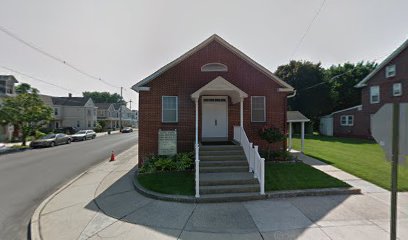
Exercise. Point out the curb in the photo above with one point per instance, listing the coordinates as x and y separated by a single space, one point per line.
160 196
268 195
35 227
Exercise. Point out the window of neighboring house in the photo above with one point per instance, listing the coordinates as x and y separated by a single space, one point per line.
169 109
258 109
347 120
78 124
89 123
390 71
375 94
89 112
94 124
56 111
397 89
94 112
56 124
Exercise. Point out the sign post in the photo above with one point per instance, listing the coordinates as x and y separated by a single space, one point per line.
393 138
394 175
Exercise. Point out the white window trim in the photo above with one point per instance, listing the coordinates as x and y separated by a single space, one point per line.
371 96
347 120
393 89
387 74
176 110
264 115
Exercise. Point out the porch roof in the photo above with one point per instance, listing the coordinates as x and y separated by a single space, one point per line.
296 116
220 86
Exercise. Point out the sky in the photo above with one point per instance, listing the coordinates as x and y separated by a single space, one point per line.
124 41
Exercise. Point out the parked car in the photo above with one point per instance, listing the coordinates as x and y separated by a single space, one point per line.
127 130
66 130
51 140
83 135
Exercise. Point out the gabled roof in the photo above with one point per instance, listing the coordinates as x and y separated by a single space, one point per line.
103 106
401 48
140 85
8 78
70 101
296 116
220 86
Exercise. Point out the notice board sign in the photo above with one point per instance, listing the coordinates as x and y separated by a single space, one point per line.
167 142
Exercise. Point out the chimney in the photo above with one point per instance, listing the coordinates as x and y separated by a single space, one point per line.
70 95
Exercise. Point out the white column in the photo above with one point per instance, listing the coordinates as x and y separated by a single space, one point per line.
242 112
303 137
197 150
290 136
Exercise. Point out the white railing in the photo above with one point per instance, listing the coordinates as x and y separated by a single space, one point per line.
255 162
197 170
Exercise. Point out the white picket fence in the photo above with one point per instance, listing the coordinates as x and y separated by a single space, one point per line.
255 162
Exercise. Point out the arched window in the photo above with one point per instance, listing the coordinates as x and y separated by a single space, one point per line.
214 67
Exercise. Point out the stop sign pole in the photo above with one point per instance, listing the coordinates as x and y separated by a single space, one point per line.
394 171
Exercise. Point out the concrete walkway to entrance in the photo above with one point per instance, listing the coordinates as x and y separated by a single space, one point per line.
102 204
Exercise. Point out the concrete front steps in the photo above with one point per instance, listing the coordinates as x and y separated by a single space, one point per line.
224 175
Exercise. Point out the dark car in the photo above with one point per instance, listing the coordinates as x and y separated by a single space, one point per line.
127 130
66 130
83 135
51 140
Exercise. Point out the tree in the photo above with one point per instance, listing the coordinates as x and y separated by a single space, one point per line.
27 112
104 97
25 88
312 91
342 79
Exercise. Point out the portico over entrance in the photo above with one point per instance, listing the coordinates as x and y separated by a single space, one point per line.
215 108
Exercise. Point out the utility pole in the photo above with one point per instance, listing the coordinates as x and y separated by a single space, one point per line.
130 102
120 109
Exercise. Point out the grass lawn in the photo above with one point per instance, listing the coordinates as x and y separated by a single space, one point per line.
291 176
178 183
362 158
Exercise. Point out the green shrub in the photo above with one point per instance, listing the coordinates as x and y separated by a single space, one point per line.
39 134
98 128
184 161
179 162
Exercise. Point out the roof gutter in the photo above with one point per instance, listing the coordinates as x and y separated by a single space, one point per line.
292 95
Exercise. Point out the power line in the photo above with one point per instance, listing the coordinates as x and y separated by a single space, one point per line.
38 79
307 30
47 54
324 82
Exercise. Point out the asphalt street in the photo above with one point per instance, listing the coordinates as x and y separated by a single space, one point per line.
27 178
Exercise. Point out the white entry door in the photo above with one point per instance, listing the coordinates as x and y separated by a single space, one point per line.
215 118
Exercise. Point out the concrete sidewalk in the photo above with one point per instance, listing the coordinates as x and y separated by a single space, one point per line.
102 203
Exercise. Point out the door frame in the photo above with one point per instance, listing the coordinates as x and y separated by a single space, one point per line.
215 139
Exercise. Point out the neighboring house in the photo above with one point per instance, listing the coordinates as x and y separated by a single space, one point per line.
108 114
222 86
388 83
78 112
7 89
128 118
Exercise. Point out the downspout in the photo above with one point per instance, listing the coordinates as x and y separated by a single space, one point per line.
294 94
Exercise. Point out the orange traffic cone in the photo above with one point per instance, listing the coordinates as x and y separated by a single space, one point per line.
112 156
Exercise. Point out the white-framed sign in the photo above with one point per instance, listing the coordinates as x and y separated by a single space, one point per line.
167 142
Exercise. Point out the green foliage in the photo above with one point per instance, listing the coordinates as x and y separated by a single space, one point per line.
38 134
104 97
98 127
179 162
342 79
271 135
178 183
27 112
313 95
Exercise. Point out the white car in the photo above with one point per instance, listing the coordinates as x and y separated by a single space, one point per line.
83 135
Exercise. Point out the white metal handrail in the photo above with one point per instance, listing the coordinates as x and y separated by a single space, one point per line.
255 162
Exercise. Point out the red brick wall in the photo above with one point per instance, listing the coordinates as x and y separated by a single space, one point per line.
362 118
185 78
